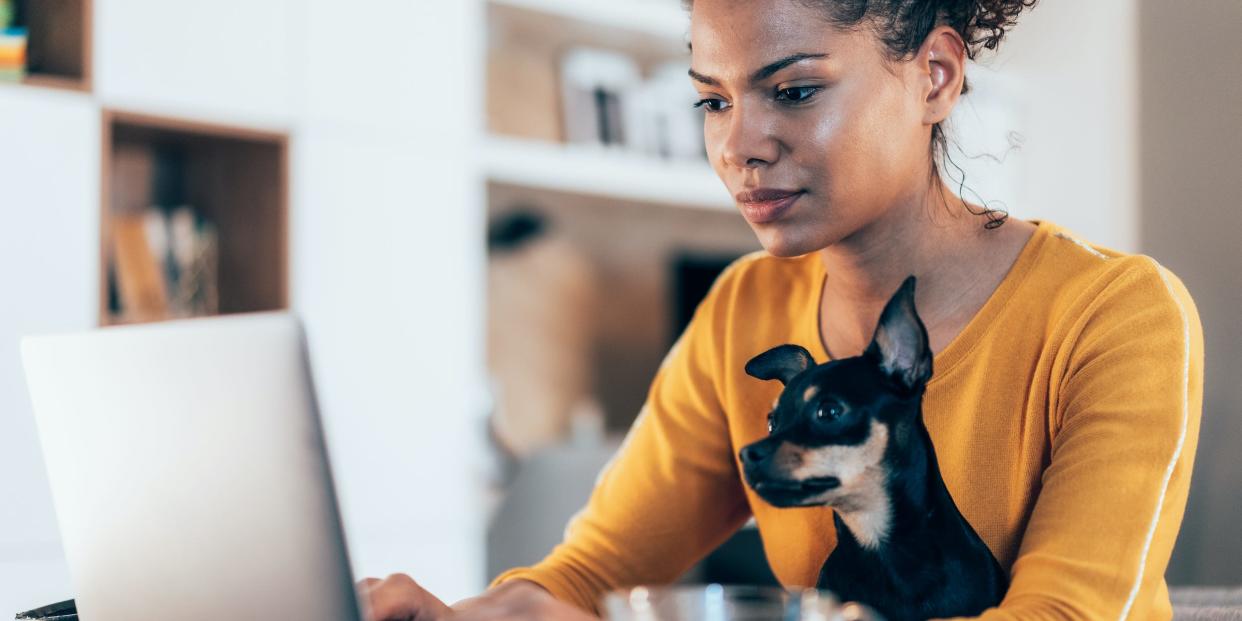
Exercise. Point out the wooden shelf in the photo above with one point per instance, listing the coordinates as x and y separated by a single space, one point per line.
651 31
604 172
55 81
58 48
236 179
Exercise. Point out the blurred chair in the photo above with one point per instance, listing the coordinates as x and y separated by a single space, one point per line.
1207 603
548 489
543 300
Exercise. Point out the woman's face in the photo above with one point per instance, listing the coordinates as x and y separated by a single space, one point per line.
813 135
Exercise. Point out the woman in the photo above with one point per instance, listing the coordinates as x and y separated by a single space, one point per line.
1068 379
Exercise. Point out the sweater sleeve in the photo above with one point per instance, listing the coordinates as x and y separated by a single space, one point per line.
1124 433
672 492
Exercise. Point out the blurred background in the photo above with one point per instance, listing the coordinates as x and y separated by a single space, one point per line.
495 216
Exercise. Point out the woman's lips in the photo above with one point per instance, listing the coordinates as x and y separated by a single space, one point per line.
765 204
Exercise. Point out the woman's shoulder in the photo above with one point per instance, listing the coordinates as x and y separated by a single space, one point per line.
1084 267
1087 283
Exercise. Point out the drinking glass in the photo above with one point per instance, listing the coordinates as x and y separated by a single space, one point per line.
730 603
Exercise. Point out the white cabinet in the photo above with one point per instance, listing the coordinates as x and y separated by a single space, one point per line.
381 107
224 60
49 270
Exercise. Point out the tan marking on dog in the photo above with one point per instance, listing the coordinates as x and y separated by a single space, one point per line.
810 393
861 500
787 458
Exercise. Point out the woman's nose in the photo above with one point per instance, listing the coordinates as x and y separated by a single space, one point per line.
748 142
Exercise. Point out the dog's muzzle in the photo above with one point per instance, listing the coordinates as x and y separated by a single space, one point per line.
774 484
809 486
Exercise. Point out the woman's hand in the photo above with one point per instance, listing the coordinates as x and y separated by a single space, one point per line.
399 598
517 600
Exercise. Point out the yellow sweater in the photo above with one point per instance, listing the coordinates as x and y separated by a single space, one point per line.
1065 417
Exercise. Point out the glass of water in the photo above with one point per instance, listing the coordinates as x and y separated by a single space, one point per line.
729 603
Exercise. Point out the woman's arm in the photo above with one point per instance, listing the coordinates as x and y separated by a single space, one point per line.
1125 428
672 493
399 598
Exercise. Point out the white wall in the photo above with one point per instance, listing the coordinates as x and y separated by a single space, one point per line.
1067 82
387 249
49 206
388 264
1191 158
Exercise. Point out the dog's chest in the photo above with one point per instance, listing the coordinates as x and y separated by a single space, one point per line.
907 585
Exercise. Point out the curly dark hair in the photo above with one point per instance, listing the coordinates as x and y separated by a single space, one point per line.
903 25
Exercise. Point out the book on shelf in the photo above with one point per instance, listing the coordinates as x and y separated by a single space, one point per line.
193 264
607 99
12 54
13 40
594 84
661 118
166 263
140 282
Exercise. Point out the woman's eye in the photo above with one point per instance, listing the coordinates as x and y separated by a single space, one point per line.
712 105
830 411
797 94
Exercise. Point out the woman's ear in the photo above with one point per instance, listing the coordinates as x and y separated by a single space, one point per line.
942 62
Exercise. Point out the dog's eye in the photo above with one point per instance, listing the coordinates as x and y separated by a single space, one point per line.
771 423
830 411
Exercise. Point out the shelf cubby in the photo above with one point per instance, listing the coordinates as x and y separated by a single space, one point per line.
58 47
236 179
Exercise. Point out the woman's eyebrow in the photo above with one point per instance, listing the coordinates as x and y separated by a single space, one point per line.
762 74
769 70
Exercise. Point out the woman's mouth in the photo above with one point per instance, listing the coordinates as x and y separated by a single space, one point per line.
765 205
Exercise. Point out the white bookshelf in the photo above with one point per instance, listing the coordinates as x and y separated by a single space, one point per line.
609 173
360 180
651 31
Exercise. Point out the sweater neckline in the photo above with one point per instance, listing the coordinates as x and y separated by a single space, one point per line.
975 329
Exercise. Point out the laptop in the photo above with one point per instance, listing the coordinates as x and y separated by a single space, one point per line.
189 472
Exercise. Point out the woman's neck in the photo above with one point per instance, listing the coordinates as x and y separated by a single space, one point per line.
957 261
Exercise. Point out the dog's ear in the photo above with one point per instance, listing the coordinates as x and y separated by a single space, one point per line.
900 344
780 363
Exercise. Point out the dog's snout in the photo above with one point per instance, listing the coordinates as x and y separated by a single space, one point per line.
755 453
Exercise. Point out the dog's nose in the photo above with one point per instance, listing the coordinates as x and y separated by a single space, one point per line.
755 453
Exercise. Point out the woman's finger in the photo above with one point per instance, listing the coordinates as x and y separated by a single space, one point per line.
399 598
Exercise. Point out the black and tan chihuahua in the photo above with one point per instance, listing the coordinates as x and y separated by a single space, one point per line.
849 434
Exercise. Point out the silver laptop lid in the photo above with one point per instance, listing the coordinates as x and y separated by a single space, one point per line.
189 473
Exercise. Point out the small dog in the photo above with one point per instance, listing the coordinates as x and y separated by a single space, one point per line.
849 434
